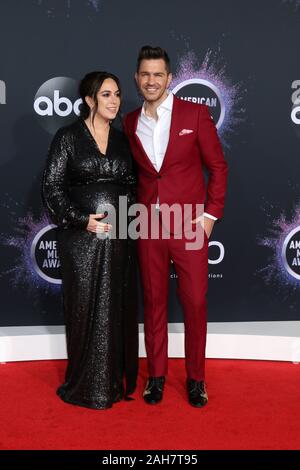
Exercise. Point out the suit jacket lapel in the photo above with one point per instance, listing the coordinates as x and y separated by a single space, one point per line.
173 131
139 143
172 137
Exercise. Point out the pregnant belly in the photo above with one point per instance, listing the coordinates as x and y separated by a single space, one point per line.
97 198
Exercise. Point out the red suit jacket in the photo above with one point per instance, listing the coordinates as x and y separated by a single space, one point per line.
181 178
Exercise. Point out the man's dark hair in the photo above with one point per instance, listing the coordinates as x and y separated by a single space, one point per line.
149 52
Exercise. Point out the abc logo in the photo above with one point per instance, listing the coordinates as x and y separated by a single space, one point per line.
56 103
198 90
295 113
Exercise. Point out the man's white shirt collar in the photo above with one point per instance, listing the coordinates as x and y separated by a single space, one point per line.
167 104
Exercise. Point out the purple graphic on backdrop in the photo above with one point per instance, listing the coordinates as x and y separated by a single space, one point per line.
36 264
283 240
50 5
209 84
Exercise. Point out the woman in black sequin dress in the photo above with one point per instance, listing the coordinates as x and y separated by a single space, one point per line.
88 167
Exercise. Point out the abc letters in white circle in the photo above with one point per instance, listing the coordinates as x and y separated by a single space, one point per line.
55 105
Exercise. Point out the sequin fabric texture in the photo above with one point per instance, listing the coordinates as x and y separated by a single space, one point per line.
98 274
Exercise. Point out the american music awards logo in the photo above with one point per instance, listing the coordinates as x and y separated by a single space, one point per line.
291 253
44 255
283 263
37 264
209 84
199 90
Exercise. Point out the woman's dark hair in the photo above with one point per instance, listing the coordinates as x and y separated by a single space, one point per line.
149 52
89 86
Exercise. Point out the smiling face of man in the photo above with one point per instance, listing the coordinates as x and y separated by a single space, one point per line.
153 80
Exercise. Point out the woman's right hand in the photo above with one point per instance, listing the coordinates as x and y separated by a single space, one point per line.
97 227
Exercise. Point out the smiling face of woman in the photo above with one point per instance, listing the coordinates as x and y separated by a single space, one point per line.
109 101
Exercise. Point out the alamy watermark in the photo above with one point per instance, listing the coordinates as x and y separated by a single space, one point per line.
181 221
2 92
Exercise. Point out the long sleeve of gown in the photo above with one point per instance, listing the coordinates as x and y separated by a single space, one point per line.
129 178
130 181
55 188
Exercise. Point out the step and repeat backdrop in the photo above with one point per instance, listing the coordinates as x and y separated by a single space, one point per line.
240 58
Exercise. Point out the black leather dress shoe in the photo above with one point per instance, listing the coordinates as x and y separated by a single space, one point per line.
197 393
153 392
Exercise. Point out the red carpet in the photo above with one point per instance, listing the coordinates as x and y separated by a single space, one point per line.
252 405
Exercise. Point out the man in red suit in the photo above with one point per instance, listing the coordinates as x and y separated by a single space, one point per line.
172 140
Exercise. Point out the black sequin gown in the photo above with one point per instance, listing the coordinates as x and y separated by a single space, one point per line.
98 274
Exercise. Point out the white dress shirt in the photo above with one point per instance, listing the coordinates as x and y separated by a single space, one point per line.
154 134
